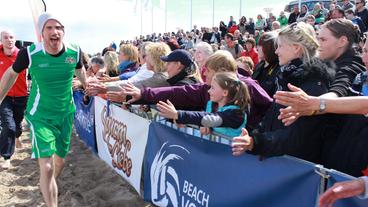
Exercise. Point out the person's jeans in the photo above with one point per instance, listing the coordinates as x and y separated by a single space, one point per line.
11 116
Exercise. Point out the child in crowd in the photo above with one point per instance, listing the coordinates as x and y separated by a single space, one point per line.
251 50
225 112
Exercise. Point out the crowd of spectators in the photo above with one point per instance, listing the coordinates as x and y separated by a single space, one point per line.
314 52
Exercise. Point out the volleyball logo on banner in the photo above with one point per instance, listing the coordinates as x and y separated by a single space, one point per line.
165 183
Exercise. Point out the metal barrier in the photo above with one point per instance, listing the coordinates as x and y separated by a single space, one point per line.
153 116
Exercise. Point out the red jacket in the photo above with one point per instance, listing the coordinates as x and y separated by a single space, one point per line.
20 86
232 29
253 54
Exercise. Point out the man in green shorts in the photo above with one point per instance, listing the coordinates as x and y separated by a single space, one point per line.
50 108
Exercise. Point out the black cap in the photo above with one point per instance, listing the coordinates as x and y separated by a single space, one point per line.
179 55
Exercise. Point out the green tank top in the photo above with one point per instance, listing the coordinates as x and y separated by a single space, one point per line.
51 95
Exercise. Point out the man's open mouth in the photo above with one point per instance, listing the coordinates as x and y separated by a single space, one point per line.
54 39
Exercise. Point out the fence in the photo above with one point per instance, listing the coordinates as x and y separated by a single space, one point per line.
181 168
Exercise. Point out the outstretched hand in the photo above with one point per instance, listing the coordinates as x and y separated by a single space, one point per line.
288 115
167 110
205 130
242 143
95 88
76 84
104 78
116 96
133 91
342 190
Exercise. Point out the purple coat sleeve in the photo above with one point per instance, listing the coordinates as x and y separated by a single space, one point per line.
192 97
260 100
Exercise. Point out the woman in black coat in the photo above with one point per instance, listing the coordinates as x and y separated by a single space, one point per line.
297 48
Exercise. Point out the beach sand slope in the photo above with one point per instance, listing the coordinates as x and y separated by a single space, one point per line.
85 181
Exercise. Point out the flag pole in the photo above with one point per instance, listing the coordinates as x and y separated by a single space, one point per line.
213 13
151 16
165 15
191 15
240 8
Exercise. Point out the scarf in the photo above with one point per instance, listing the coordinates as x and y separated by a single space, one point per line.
124 65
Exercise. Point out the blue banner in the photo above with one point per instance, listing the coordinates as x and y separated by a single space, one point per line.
182 170
336 176
84 121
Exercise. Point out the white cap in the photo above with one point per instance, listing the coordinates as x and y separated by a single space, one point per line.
43 18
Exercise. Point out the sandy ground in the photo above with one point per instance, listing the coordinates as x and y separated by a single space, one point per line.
85 181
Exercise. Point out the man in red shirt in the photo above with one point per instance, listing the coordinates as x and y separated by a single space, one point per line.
13 106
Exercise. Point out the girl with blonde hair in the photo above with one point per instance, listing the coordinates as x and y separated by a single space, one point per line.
111 63
110 72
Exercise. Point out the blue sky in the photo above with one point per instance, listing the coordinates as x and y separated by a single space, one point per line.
94 24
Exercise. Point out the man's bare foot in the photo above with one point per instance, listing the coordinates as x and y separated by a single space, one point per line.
6 164
18 143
